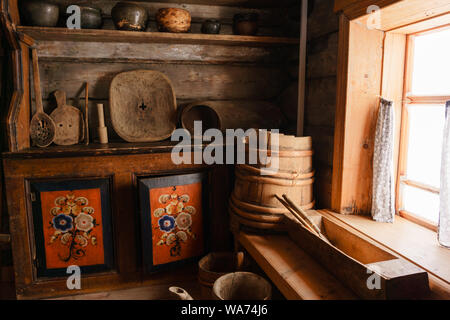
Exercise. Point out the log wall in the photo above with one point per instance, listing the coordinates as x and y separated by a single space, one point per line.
197 71
320 104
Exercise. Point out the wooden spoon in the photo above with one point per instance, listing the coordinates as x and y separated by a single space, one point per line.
42 127
68 120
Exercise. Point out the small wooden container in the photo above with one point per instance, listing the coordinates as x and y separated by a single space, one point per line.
173 20
242 286
213 266
245 24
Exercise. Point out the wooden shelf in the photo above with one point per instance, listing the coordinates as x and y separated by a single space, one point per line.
102 35
92 149
96 149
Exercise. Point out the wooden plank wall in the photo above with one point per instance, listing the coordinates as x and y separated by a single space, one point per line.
320 102
197 72
320 105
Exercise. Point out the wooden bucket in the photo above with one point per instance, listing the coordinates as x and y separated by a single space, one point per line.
257 219
294 154
261 190
251 207
239 223
242 286
213 266
289 161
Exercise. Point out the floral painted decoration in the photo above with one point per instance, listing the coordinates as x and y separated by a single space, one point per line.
175 220
73 224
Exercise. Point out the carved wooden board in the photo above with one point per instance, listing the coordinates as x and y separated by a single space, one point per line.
142 106
68 121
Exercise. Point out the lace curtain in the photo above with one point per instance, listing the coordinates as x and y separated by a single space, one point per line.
444 210
383 199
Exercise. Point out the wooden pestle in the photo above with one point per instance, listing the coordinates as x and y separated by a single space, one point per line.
102 130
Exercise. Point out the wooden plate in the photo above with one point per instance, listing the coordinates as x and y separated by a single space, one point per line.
142 106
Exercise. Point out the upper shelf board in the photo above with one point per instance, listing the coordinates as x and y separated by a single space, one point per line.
101 35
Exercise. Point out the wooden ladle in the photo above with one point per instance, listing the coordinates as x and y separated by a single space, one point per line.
42 127
181 293
68 120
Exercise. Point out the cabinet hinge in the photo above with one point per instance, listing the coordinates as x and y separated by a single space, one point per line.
33 196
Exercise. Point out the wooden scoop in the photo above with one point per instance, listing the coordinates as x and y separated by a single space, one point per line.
68 120
42 127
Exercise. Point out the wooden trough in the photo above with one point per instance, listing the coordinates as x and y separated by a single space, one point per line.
366 269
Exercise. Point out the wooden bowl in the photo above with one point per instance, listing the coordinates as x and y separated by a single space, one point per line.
173 20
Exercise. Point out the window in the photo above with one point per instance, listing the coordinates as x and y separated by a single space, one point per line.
426 90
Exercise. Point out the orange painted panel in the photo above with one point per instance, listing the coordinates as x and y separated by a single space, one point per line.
177 223
73 230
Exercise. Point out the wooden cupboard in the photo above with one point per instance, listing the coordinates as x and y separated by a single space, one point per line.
200 67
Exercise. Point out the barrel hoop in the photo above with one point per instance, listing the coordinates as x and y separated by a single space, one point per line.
267 210
279 174
274 181
269 218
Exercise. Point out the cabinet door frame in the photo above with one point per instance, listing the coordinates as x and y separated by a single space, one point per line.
35 187
148 183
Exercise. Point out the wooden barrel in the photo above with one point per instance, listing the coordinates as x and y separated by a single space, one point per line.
242 286
215 265
261 190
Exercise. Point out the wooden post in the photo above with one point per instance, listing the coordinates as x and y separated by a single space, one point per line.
302 69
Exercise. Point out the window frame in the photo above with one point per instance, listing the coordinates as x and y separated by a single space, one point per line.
371 64
409 99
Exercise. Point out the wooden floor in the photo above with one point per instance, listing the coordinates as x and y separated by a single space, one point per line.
7 291
155 292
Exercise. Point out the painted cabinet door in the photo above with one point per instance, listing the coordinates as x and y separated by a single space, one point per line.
72 226
173 219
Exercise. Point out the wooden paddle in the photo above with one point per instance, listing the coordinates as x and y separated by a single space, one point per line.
69 121
42 127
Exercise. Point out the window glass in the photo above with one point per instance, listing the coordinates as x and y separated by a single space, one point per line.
431 69
426 129
421 203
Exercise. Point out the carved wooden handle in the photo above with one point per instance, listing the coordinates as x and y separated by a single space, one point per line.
36 82
60 98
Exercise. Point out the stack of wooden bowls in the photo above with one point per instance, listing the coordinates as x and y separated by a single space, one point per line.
253 205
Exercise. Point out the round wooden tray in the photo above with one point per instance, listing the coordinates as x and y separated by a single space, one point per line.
142 106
